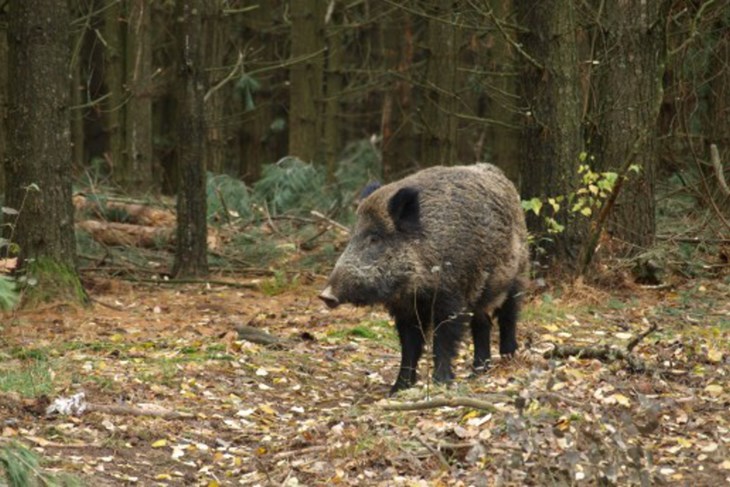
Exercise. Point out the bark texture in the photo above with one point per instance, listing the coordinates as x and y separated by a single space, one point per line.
552 138
305 78
39 145
191 249
630 94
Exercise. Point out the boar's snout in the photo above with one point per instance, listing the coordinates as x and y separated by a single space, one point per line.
329 298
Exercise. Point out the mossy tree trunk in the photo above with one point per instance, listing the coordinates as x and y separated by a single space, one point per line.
551 138
38 169
305 78
192 232
439 120
136 175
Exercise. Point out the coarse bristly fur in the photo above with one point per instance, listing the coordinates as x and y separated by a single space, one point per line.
441 247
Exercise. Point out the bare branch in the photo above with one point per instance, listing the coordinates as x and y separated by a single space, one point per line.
719 171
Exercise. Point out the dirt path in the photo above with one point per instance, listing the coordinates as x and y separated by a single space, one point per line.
312 412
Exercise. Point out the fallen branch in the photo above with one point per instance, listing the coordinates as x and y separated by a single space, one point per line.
125 410
485 404
255 335
605 353
444 464
241 285
635 341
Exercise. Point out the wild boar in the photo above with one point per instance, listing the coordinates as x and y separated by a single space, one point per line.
441 247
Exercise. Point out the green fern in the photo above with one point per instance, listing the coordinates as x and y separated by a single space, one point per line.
292 185
8 293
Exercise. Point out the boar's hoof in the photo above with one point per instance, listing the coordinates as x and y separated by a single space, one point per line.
329 298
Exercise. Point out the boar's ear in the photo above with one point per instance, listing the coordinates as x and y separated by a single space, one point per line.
403 208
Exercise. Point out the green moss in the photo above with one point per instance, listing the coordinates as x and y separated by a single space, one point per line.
48 280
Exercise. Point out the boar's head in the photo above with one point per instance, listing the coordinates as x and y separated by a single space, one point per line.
379 261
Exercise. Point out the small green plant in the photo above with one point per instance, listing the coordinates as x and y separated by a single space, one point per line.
595 193
278 284
20 467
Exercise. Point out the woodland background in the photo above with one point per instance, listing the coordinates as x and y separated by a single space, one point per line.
376 89
180 175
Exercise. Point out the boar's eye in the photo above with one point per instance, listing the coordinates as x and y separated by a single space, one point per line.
373 239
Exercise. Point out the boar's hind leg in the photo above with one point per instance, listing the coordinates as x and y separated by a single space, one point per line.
411 345
481 327
507 317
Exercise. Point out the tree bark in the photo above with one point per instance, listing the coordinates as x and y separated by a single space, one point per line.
137 175
3 97
39 148
191 249
400 148
305 78
334 78
551 139
114 75
439 121
630 93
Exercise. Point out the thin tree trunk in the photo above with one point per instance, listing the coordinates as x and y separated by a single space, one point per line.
217 103
137 176
191 249
305 78
38 172
502 143
551 140
332 122
439 121
3 99
114 74
400 151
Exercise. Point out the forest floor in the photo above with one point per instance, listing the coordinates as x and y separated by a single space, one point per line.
314 410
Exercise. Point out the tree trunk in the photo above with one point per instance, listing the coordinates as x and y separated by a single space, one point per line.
38 172
551 139
439 121
630 95
334 77
137 174
191 249
3 98
400 154
217 106
114 74
305 78
501 142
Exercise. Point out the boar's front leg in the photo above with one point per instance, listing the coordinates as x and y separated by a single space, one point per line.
411 343
447 331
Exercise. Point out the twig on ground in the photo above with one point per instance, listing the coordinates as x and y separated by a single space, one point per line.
126 410
605 353
485 404
282 455
435 453
107 305
635 341
255 335
241 285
